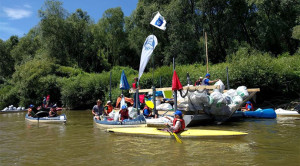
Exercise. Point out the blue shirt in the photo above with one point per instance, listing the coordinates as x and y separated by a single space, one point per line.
146 112
206 81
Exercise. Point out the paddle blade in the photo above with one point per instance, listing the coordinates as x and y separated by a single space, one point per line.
177 138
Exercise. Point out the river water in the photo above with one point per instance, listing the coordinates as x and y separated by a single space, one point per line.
81 142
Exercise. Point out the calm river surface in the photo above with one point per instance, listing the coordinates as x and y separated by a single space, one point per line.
81 142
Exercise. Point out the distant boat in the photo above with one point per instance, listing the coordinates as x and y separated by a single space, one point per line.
42 117
282 112
110 123
12 109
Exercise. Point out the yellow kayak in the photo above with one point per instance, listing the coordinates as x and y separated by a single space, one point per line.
190 133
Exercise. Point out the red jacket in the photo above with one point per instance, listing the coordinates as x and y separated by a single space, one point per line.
124 114
181 127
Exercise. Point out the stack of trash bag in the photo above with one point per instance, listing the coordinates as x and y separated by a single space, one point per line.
114 115
164 107
132 112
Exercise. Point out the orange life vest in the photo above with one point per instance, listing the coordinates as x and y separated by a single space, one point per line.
109 108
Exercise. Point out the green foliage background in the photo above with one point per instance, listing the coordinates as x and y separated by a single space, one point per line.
70 57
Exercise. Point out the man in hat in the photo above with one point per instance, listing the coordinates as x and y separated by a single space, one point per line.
31 112
207 81
249 106
97 109
178 122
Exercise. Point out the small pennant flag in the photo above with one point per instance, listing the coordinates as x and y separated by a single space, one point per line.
159 22
176 85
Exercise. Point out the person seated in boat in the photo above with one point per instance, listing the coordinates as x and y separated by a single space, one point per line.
108 108
31 112
249 106
147 112
97 109
44 102
198 82
123 113
207 81
178 122
53 111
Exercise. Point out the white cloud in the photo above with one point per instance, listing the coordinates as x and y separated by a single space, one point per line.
17 13
27 6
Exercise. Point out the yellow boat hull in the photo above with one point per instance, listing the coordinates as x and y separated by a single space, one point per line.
190 133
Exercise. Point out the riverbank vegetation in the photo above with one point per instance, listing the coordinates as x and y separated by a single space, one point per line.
70 57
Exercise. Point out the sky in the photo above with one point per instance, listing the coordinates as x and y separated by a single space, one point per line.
17 17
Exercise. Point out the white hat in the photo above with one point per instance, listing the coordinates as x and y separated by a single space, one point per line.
108 102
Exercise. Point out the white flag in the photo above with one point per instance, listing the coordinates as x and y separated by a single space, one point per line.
159 22
148 47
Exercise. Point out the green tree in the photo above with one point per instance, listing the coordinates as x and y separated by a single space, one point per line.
110 34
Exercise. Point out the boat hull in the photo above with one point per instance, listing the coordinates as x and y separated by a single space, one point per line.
261 113
59 119
190 133
12 111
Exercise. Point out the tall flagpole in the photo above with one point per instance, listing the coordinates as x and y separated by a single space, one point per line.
153 87
206 53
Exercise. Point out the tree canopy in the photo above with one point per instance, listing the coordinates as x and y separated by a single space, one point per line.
63 43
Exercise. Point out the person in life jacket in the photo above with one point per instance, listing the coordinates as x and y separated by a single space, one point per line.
31 110
53 111
207 81
135 85
198 82
249 106
108 108
147 112
178 122
123 113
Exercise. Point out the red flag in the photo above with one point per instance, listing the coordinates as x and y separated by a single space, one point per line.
176 85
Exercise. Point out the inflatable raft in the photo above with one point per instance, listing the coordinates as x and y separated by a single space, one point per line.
139 121
282 112
45 119
190 133
261 113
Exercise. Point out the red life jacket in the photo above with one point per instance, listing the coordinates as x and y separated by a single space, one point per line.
181 127
134 85
252 109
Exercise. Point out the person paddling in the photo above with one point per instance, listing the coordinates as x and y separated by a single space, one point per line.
178 122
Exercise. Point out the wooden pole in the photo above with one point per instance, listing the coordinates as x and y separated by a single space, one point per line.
206 53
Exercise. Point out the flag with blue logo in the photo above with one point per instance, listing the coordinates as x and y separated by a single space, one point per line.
159 22
148 48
